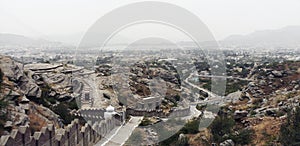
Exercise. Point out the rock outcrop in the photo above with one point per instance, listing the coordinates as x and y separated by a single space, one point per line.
21 79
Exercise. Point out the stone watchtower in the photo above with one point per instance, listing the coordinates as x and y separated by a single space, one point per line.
110 112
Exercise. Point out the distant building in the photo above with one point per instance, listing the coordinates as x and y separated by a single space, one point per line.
149 103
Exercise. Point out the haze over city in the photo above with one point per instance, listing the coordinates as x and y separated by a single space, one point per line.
67 21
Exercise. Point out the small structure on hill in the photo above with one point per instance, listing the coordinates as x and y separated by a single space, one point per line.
149 103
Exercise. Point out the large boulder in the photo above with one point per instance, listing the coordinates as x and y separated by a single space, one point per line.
271 111
11 69
14 72
277 74
262 83
29 88
238 115
227 142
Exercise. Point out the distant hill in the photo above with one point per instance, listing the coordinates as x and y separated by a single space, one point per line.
75 39
284 37
19 40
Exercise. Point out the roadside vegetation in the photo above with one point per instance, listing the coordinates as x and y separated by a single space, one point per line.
191 127
224 127
3 105
290 130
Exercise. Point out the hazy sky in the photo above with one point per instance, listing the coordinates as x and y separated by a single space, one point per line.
67 17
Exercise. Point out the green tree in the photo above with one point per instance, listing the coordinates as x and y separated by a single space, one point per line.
220 126
191 127
1 77
3 102
63 111
3 105
290 131
224 125
244 137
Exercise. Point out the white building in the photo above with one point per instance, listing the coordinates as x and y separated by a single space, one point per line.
149 103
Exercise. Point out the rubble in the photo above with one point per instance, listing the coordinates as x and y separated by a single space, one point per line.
227 142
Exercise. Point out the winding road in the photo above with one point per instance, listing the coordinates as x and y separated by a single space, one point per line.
119 135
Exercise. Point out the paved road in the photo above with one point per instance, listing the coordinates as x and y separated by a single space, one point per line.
194 113
211 94
252 71
119 135
212 97
225 77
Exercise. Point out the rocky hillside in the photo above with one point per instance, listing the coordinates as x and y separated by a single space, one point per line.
266 113
27 97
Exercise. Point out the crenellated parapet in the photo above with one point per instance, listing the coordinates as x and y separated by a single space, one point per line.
20 136
147 113
91 112
174 112
73 134
180 112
